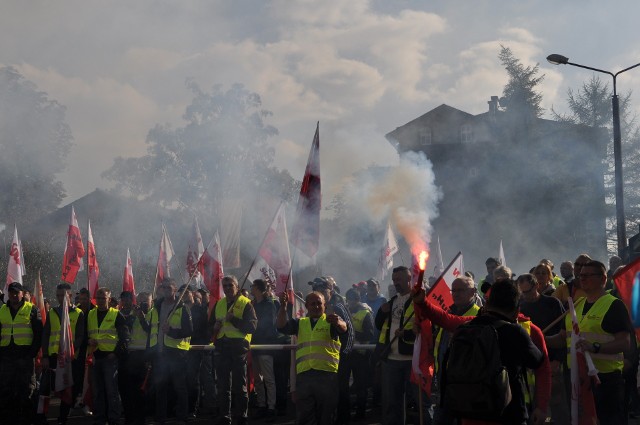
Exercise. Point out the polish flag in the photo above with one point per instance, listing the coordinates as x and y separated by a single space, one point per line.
128 283
73 251
194 252
66 354
210 266
273 262
92 264
39 298
15 268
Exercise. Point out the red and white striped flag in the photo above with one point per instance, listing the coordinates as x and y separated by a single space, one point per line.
39 298
165 255
15 268
194 252
583 408
210 265
66 354
73 252
92 264
389 249
306 229
128 284
273 262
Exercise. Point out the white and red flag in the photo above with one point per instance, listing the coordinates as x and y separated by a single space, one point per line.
165 255
306 231
128 284
210 266
39 298
66 354
389 249
273 262
583 378
194 252
15 268
438 266
73 252
440 292
92 264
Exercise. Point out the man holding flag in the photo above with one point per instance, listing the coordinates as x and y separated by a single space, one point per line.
51 344
605 328
20 337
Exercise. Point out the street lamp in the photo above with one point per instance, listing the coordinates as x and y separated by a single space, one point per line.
556 59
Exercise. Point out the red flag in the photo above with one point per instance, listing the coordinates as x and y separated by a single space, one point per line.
73 251
15 268
583 408
306 232
66 353
273 262
39 298
164 257
194 252
210 265
422 362
128 283
623 280
440 293
92 264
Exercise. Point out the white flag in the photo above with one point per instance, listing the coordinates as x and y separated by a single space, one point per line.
165 255
15 268
273 262
439 266
503 260
66 353
389 249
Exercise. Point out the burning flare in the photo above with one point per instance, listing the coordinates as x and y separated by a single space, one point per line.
422 260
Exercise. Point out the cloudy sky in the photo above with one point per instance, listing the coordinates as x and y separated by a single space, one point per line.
360 67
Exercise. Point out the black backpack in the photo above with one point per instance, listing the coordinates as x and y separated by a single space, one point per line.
475 384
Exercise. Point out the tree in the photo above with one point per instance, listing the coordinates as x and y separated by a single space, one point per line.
222 151
519 95
34 141
591 106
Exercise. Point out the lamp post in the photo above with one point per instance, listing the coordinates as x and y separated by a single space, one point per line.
621 231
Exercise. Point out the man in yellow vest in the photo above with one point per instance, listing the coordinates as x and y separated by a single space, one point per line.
317 359
108 339
235 321
605 329
169 340
363 328
465 296
132 368
51 342
20 338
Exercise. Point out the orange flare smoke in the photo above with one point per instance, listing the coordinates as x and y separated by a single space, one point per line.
422 260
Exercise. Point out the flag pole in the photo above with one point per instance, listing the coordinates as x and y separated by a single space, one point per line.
88 268
155 279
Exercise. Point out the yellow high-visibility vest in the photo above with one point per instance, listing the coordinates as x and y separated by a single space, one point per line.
19 327
54 324
591 330
228 330
106 334
316 349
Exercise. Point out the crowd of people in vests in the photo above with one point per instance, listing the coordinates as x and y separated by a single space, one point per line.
500 352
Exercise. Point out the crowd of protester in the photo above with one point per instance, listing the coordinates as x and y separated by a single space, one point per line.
175 356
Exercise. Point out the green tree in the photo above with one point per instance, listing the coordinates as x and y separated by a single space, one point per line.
221 151
591 106
34 140
520 96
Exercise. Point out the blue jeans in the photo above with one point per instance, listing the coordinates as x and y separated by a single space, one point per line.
397 389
